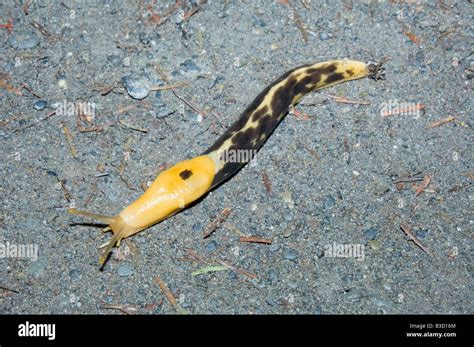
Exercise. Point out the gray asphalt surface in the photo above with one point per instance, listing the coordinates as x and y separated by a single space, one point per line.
331 170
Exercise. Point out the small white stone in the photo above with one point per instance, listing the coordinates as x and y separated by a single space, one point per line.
235 251
286 197
62 83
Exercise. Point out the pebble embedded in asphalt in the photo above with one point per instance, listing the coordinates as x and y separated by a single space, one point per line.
190 66
163 112
371 233
138 87
197 227
329 202
274 247
75 274
290 254
40 105
125 270
211 246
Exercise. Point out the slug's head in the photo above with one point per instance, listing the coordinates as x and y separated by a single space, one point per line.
171 191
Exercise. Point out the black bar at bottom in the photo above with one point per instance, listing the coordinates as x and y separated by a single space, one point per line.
442 330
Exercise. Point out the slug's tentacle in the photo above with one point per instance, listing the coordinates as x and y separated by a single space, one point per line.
118 236
178 186
101 217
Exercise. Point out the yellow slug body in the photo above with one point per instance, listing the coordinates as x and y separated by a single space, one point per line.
171 191
187 181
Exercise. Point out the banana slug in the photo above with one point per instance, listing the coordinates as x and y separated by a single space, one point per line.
185 182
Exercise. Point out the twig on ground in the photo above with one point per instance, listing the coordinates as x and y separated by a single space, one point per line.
216 223
410 178
196 256
125 109
67 194
210 268
9 289
235 230
233 268
256 239
345 100
169 296
413 38
412 236
8 25
298 114
168 87
189 104
132 127
422 187
70 141
127 309
27 87
441 122
266 182
194 10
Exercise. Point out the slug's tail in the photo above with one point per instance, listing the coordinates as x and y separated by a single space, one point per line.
116 224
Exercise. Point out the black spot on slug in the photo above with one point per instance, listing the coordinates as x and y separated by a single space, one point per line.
301 87
282 97
326 70
266 125
260 113
315 78
185 174
242 139
334 77
350 72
